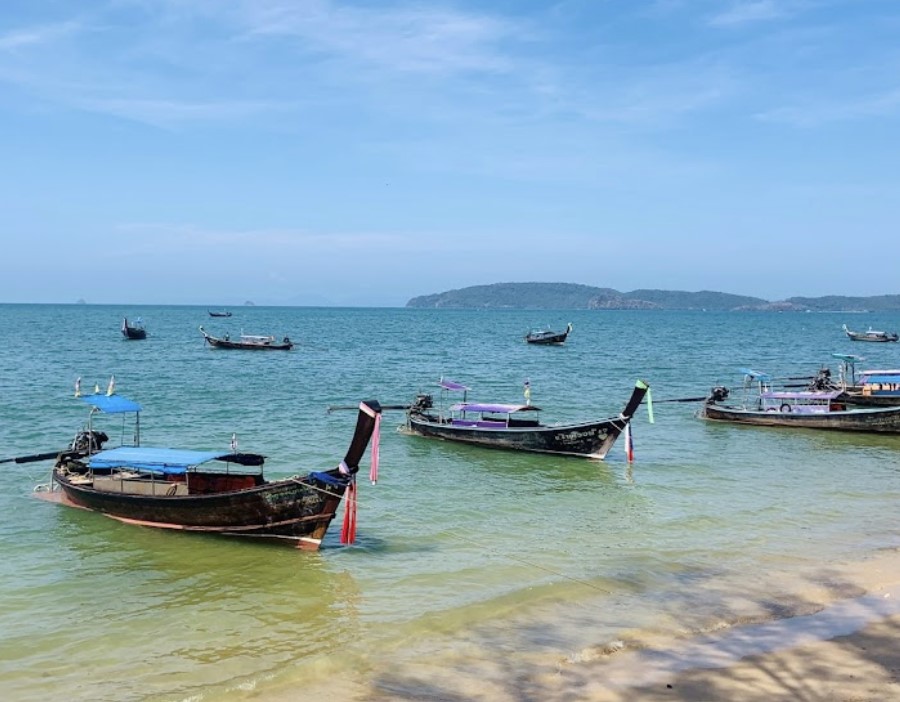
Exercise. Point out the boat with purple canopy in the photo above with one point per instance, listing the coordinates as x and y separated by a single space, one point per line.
808 409
516 426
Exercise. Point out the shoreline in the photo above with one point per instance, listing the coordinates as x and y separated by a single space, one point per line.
842 645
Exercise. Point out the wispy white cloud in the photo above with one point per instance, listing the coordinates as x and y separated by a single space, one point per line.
403 38
37 36
749 11
816 112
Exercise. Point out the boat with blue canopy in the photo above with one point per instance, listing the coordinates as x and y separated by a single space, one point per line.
207 491
873 387
516 426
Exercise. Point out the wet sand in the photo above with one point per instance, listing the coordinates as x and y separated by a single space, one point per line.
835 640
849 651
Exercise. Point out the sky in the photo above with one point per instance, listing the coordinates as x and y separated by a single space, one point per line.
326 152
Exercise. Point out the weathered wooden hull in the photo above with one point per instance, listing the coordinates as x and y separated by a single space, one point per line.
586 440
297 510
228 344
547 337
876 338
133 333
885 420
861 399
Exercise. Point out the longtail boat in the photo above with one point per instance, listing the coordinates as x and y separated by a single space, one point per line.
135 330
808 409
869 388
548 336
211 492
249 342
871 335
516 426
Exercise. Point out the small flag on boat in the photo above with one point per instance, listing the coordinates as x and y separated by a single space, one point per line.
78 387
111 388
527 392
234 442
629 444
642 384
376 449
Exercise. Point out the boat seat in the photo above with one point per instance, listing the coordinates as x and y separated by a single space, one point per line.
158 488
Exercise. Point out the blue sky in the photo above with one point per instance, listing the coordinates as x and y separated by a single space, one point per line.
362 153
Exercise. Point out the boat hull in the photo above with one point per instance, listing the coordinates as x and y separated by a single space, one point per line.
227 344
585 440
297 510
880 419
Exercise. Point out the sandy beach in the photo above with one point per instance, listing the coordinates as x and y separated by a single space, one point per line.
848 651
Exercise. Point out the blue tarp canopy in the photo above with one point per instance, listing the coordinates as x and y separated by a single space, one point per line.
892 379
756 375
157 460
111 404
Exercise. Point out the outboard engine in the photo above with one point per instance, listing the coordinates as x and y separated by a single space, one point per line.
718 394
89 441
422 402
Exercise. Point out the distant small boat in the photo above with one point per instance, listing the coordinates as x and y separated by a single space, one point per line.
548 336
223 313
251 342
134 330
871 335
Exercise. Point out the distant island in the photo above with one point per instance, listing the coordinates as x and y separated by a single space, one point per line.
571 296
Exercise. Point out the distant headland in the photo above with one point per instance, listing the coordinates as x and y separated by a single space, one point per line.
563 296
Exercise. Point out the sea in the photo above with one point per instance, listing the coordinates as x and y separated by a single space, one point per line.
477 573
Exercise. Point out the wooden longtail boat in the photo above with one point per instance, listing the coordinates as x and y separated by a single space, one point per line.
548 336
871 335
517 427
212 492
249 342
867 388
135 330
808 409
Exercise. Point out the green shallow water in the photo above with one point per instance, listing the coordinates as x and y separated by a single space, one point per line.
462 553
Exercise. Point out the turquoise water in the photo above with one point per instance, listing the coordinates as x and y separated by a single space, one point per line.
465 556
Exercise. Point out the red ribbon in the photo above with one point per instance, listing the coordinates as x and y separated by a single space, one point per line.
348 530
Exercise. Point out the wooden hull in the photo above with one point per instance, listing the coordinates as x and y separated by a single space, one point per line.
586 440
298 511
861 399
885 420
227 344
547 338
876 339
133 333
